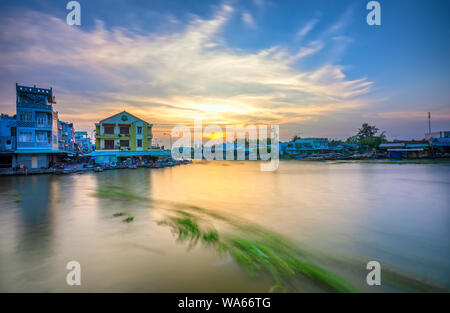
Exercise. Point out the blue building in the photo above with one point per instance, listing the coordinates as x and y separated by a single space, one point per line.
305 146
7 140
66 137
83 142
37 128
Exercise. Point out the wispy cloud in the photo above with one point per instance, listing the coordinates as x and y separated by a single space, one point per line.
171 78
307 28
247 18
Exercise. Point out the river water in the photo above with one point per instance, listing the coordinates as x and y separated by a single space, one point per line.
343 215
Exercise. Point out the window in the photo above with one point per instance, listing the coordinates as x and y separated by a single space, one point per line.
55 139
41 119
124 143
139 143
109 144
139 130
26 137
108 130
125 130
26 116
41 137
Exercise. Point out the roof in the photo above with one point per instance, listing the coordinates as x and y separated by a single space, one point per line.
126 113
153 152
37 91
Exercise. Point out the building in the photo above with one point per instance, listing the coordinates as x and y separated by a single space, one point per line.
37 130
7 140
306 146
124 137
83 142
437 135
66 137
440 143
399 149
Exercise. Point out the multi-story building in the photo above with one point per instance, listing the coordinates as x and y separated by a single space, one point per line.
123 136
66 136
37 127
7 140
83 142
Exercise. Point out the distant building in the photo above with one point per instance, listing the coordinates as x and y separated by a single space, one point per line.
399 149
83 142
305 146
121 137
437 135
440 142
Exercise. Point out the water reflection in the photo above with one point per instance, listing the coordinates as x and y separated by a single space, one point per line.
346 214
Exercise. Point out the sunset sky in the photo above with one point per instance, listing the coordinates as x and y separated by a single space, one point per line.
314 67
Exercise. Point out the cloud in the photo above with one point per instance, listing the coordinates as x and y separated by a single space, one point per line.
307 28
170 78
247 18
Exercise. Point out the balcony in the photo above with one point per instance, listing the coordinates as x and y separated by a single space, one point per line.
31 124
33 144
39 106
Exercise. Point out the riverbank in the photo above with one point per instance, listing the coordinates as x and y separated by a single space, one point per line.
84 168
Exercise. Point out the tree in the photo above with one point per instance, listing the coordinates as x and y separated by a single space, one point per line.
366 137
367 131
353 140
295 138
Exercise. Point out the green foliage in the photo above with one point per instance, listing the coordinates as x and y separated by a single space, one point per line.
367 131
366 137
352 140
128 219
257 251
372 142
118 214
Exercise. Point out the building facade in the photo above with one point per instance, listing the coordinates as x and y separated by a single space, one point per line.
83 142
121 137
66 137
306 145
7 140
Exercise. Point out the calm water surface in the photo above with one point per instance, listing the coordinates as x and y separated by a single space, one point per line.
349 214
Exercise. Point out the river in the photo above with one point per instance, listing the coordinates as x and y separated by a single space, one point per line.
337 216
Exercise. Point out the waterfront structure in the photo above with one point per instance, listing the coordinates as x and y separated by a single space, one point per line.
440 143
83 142
37 127
398 149
7 140
123 136
305 146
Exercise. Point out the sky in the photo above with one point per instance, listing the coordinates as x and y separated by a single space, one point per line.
316 68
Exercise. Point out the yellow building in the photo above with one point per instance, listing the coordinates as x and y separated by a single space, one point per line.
123 136
123 132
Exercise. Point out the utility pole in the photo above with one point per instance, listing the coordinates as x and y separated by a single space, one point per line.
429 123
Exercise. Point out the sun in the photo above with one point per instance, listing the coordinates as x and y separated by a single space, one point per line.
214 135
